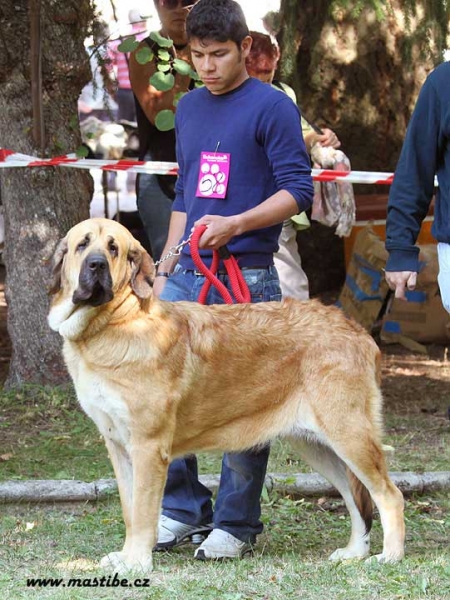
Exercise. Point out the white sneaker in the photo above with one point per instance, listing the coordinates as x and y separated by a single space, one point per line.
172 533
221 544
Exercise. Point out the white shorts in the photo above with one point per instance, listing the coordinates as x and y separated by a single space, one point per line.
444 273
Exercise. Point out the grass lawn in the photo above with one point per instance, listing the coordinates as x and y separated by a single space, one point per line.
45 435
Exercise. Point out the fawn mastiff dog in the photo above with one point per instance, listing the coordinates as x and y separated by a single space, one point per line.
164 379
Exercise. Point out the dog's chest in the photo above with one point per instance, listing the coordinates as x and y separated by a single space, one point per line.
105 407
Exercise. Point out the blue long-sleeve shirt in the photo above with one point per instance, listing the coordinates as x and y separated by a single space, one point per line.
260 128
425 153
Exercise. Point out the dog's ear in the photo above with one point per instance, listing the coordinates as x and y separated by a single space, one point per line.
58 257
143 272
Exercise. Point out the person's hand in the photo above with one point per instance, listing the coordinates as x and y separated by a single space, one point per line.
219 231
328 138
399 281
158 285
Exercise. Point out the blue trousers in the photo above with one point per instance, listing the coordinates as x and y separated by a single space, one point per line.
237 509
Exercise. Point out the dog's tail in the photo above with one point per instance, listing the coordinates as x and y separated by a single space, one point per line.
362 499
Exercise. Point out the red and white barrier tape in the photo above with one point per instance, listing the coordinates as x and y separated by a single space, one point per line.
14 159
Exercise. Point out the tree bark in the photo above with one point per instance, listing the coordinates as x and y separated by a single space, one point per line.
40 204
351 75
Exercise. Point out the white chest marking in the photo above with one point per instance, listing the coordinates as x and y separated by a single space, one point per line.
105 407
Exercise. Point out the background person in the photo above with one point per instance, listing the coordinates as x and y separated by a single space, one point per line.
425 153
269 180
155 193
262 64
120 60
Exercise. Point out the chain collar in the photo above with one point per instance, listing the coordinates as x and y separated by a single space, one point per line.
174 251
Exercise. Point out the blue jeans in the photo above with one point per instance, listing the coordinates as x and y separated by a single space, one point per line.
237 509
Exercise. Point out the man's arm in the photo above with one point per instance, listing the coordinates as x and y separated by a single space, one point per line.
411 193
220 230
413 186
151 100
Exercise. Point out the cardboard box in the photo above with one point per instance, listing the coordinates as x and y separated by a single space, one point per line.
365 288
364 296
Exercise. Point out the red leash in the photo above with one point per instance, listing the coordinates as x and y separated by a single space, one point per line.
238 283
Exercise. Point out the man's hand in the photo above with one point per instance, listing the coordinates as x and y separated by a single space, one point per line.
328 138
399 281
219 230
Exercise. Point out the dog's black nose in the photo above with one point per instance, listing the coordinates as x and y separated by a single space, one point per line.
97 262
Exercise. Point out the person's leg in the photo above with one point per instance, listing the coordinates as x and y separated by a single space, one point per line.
237 509
154 209
293 279
186 506
127 108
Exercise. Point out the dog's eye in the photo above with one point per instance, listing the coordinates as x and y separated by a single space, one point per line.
113 248
82 245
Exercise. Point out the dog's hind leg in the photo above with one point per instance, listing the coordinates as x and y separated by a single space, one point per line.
357 499
365 457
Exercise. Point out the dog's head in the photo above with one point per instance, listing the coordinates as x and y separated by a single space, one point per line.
96 261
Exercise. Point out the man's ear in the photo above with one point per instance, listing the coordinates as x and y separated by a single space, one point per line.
246 46
143 272
58 259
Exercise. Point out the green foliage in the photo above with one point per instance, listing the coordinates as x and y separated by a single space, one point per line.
165 120
160 40
81 152
144 55
167 66
128 45
178 98
163 82
182 67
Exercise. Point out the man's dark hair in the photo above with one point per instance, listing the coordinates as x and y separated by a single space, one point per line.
218 20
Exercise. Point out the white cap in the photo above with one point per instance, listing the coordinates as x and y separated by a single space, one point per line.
134 16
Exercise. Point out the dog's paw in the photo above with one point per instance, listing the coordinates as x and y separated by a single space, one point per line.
349 554
385 558
122 563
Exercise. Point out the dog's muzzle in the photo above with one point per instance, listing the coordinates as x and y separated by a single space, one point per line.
95 282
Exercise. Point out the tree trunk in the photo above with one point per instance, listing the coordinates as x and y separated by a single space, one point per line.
353 74
40 204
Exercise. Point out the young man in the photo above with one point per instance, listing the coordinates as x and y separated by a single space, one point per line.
155 193
425 153
245 138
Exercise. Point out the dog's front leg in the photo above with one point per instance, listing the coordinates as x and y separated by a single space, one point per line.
150 460
123 470
150 463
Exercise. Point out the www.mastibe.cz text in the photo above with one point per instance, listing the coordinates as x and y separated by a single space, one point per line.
106 581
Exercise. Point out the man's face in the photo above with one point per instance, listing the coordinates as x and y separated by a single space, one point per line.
220 65
173 15
262 67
